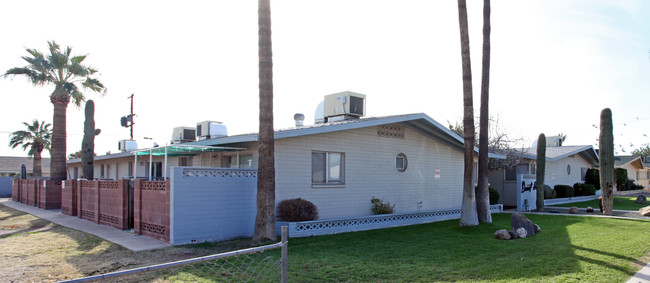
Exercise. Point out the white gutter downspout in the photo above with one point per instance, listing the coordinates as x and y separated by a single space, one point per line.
165 171
150 163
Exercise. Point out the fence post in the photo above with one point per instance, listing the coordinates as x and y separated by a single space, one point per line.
285 255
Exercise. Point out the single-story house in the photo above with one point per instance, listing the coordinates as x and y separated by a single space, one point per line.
409 160
565 165
10 166
636 170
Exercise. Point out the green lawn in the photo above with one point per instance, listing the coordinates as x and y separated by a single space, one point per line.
621 203
569 248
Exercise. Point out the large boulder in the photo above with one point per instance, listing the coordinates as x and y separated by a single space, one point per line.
645 211
520 221
641 199
573 210
502 234
521 232
590 209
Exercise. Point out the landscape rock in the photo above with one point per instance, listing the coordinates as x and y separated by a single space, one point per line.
537 229
645 211
513 235
600 203
502 234
641 199
590 209
521 232
520 221
573 210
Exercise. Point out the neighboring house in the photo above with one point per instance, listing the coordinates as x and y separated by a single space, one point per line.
410 160
10 166
565 165
636 171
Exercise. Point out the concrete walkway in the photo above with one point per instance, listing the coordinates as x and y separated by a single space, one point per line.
123 238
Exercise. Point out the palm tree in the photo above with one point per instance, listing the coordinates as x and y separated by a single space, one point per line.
468 215
67 74
483 197
36 138
265 218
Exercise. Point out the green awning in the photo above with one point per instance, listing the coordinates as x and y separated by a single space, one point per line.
183 150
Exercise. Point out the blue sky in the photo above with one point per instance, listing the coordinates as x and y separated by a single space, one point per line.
555 64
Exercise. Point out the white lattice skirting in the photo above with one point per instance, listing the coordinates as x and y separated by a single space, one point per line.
335 226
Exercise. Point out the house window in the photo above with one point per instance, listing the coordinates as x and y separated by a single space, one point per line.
117 171
648 175
327 168
75 173
401 163
583 173
511 174
185 161
246 161
226 161
101 171
568 169
156 170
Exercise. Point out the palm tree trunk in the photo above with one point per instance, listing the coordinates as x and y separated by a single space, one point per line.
38 172
468 215
57 162
265 219
483 198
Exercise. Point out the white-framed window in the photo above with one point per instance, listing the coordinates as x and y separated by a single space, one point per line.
246 161
401 163
327 168
185 161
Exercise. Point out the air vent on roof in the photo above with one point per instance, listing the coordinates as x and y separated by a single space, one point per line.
347 104
183 134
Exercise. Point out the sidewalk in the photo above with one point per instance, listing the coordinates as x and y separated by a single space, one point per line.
123 238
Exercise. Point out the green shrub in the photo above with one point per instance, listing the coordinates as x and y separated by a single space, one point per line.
621 179
592 177
297 209
563 191
554 194
548 192
379 206
494 195
580 189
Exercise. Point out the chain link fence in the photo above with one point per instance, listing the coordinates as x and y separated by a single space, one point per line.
259 264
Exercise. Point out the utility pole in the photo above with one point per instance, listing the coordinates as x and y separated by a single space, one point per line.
131 97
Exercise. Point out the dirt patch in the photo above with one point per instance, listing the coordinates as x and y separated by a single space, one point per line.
36 250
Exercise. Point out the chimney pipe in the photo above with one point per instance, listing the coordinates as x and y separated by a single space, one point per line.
299 118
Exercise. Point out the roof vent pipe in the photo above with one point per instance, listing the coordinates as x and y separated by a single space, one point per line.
299 117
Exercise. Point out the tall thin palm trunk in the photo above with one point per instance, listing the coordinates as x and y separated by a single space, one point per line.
468 215
483 198
265 219
37 171
58 161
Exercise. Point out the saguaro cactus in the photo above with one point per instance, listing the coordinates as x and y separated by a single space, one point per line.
88 142
606 160
540 171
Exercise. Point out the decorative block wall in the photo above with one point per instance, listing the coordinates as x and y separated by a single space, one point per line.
151 209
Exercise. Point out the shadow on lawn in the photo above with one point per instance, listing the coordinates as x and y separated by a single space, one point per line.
443 251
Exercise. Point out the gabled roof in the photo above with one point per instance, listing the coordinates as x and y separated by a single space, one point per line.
11 164
554 153
418 122
621 160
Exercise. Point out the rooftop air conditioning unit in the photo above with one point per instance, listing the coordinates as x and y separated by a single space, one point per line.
347 104
183 134
210 130
127 145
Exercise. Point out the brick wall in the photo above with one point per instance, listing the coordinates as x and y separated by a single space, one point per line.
151 209
88 200
113 207
49 194
69 197
32 192
15 190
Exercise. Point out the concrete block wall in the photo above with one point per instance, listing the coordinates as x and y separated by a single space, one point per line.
113 206
32 192
69 197
49 194
88 200
15 190
212 204
151 209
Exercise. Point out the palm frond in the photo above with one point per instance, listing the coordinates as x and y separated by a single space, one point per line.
77 59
